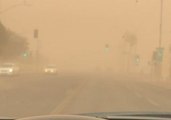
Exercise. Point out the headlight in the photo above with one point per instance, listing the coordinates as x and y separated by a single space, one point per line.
10 70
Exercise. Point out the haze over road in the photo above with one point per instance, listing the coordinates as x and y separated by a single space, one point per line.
28 95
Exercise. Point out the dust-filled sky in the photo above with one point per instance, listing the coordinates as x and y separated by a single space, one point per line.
73 33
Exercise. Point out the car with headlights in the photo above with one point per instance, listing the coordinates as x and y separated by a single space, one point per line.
9 69
50 69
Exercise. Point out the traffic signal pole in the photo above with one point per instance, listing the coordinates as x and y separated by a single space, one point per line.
161 24
37 53
36 36
159 67
158 53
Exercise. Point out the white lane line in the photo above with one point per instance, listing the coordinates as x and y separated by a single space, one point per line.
135 91
128 87
138 94
67 100
152 102
142 96
64 103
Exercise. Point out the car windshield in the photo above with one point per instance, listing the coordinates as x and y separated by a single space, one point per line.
84 56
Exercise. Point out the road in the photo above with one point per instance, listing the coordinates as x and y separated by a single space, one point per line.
31 94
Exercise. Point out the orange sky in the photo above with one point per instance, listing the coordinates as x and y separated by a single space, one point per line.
73 33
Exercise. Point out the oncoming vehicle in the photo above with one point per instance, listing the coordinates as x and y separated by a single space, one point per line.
50 69
9 69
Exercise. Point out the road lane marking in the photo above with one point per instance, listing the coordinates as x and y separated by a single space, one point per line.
64 103
70 95
138 94
152 102
135 91
141 96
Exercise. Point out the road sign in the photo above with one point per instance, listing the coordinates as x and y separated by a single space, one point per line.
158 55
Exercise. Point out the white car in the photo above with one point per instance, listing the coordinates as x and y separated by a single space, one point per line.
9 69
50 69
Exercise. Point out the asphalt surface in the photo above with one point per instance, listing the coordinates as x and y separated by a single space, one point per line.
31 95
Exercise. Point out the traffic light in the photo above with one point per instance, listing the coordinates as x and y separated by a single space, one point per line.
137 59
107 47
36 33
25 54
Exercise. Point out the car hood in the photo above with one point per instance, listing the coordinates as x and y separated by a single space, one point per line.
102 116
61 117
130 115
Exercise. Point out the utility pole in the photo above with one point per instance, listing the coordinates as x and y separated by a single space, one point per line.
161 24
160 49
23 3
36 36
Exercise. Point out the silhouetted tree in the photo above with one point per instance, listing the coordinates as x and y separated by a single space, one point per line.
131 39
12 45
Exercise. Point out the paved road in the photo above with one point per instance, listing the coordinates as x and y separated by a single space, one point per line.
28 95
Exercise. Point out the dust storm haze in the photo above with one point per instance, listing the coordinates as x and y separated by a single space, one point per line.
89 56
88 35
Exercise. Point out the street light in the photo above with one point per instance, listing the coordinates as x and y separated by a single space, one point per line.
161 24
24 3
